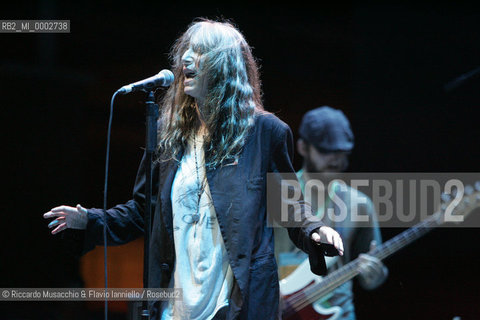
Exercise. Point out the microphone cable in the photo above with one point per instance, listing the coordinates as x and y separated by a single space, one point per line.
166 82
105 189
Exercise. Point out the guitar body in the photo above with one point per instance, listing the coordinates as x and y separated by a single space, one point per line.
300 279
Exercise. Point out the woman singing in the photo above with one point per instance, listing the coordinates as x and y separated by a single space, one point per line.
216 144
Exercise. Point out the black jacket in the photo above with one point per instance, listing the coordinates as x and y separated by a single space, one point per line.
238 191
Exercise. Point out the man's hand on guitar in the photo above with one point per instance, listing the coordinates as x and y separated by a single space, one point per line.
372 271
328 235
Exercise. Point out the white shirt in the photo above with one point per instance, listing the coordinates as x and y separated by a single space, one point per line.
201 268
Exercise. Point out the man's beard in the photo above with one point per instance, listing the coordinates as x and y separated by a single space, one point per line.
311 166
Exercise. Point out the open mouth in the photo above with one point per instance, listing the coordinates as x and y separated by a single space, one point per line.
189 74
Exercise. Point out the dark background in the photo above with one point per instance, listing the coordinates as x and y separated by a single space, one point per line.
384 65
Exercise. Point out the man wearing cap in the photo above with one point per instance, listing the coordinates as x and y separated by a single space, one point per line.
325 143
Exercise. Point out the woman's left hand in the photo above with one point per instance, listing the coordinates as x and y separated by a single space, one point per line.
328 235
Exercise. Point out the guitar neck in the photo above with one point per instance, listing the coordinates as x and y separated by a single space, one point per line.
350 270
405 238
314 292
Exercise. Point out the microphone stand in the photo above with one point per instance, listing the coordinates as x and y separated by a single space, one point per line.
150 146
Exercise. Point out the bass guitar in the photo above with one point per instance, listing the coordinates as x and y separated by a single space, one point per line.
303 292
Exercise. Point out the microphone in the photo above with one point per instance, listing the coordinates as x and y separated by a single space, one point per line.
163 79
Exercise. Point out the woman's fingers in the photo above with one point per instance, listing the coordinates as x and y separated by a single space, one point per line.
330 236
56 222
67 217
316 237
61 227
58 212
64 209
51 214
338 243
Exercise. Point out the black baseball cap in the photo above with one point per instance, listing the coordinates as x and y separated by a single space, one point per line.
327 129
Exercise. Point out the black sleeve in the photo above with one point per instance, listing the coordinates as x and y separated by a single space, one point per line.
124 221
301 228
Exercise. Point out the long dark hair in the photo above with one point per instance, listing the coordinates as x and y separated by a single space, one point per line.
232 101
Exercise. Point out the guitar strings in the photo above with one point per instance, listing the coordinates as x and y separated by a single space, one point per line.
300 300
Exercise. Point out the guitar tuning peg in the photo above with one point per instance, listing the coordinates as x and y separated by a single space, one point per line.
477 185
468 190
